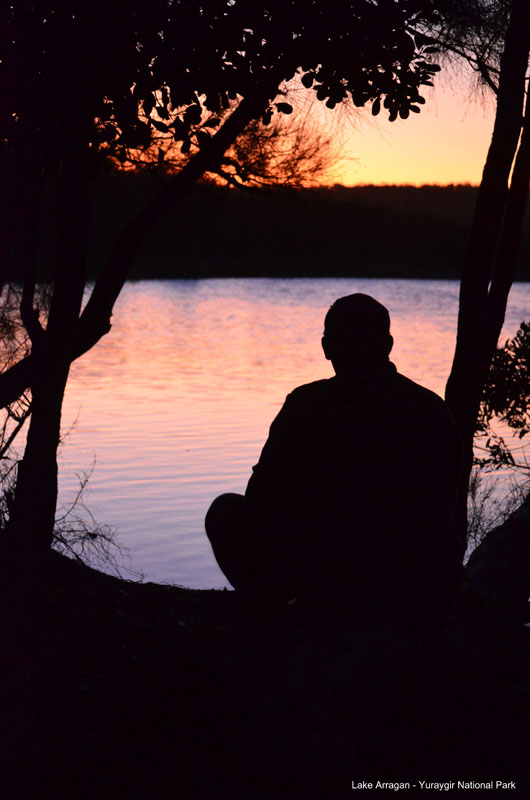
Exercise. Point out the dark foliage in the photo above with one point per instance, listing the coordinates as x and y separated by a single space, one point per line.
176 67
506 399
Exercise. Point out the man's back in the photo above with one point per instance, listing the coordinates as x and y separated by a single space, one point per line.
357 483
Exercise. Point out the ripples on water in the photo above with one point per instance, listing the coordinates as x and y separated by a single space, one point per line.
175 403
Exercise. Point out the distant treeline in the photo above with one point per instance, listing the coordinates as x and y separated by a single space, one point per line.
365 231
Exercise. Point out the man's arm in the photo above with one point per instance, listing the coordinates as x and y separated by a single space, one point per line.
271 482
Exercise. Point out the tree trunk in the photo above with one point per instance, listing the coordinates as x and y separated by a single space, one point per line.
510 238
36 490
488 257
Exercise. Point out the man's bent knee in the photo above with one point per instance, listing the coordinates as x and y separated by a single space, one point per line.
227 515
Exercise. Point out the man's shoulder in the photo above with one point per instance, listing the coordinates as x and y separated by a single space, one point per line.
309 392
393 381
418 392
391 387
315 387
419 396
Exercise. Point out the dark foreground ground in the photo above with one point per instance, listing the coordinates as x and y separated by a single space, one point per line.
133 690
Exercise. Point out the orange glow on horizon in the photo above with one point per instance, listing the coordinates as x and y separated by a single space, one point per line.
446 143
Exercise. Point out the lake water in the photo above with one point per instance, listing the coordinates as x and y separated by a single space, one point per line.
175 403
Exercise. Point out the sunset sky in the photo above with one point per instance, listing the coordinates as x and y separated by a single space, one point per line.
446 143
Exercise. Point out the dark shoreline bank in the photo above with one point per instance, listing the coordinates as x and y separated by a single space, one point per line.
363 231
141 689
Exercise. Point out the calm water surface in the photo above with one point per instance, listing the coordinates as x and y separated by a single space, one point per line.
175 403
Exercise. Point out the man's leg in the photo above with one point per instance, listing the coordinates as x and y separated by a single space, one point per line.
240 549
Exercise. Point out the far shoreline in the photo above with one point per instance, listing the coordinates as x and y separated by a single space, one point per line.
360 232
209 275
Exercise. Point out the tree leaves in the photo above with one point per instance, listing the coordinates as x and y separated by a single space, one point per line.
160 126
148 104
506 396
183 60
180 129
203 138
193 114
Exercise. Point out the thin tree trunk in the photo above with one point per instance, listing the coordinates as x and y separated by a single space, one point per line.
510 240
36 489
485 261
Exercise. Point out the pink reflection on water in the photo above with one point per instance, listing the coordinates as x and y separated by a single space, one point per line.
176 402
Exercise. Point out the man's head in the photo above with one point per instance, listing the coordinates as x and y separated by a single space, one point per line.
356 332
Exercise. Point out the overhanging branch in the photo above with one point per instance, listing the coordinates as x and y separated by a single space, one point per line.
95 319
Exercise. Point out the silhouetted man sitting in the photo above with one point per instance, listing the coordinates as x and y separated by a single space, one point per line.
351 504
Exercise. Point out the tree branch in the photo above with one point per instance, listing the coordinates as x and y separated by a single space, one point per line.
14 433
15 380
95 319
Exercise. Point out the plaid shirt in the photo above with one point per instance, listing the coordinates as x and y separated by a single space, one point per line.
358 477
